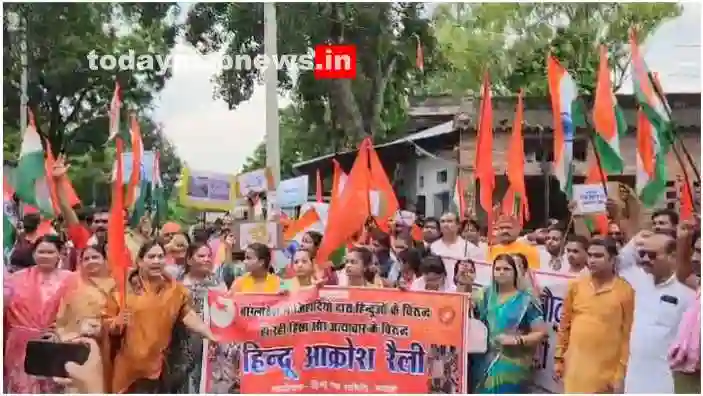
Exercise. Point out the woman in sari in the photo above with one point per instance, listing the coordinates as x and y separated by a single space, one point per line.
515 327
35 294
199 280
82 308
154 306
259 277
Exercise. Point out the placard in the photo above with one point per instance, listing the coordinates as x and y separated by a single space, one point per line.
207 190
256 181
293 192
590 198
270 233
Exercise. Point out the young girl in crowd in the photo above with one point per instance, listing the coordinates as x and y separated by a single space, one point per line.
304 273
433 276
311 242
259 277
410 260
358 270
198 278
153 306
515 326
35 294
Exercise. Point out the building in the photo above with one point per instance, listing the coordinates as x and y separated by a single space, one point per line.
423 165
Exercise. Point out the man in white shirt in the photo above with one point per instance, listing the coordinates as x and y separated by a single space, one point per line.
555 259
576 256
451 247
660 300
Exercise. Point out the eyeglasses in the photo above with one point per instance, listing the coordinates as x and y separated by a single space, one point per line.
649 254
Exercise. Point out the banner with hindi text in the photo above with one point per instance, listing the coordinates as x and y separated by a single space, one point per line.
345 340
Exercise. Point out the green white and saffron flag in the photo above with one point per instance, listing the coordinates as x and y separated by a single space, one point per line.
608 121
31 183
654 132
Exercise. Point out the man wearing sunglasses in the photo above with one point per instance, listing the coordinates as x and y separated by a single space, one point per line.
660 301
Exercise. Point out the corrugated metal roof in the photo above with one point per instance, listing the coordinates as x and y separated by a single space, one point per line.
441 129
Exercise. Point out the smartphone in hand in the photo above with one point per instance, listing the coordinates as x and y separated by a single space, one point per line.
48 358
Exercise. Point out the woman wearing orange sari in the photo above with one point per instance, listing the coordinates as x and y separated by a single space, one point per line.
82 308
154 306
35 293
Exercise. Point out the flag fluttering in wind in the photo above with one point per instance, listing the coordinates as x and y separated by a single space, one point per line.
339 180
567 114
653 132
318 186
419 56
347 216
115 107
118 255
32 181
137 153
515 201
608 120
686 208
388 202
484 151
9 218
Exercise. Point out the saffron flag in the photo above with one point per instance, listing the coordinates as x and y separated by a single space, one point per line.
118 255
133 189
318 186
484 151
458 197
567 114
388 202
515 201
349 214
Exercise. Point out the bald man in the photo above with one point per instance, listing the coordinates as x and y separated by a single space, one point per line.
660 300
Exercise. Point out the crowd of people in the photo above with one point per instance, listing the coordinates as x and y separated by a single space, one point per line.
630 321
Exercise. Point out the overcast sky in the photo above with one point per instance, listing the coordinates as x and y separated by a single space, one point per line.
209 137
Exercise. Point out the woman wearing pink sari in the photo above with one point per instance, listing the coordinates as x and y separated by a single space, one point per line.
35 293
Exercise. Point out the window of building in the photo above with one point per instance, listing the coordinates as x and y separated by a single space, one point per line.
442 177
421 182
421 205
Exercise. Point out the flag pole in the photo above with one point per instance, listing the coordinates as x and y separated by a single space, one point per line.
674 137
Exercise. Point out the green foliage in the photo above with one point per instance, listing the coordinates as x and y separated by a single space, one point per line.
512 41
331 115
70 101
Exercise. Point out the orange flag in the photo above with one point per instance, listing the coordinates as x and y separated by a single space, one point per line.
515 201
388 206
66 182
686 206
318 187
484 152
349 214
339 179
118 255
137 151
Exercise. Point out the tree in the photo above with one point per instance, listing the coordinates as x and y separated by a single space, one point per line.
515 39
339 112
69 100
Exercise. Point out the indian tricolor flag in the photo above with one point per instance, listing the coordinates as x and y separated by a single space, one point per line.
567 113
9 218
31 183
115 106
653 132
608 120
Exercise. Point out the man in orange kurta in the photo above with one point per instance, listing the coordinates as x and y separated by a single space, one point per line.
593 342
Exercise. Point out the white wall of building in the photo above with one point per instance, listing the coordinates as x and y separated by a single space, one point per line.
434 179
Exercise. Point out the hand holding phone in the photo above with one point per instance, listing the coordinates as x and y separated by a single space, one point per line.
48 358
86 377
